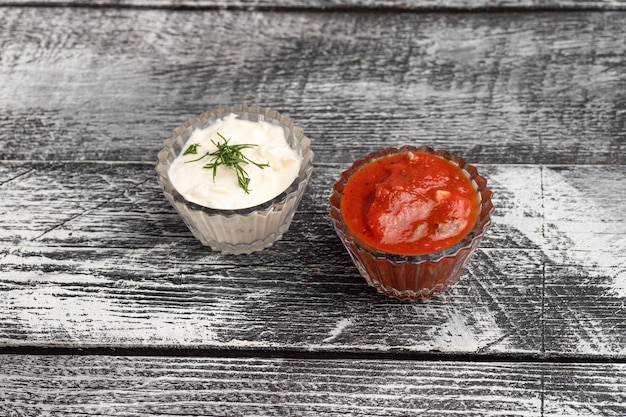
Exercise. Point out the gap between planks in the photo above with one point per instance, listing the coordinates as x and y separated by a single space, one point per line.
514 357
393 8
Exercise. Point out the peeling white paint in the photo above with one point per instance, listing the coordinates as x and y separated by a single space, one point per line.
340 326
619 284
81 320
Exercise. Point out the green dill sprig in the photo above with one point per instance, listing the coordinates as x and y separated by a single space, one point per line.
192 149
230 156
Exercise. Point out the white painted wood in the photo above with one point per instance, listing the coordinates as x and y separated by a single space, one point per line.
93 257
496 88
100 259
149 386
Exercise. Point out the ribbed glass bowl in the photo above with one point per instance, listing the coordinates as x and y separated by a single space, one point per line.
411 277
244 230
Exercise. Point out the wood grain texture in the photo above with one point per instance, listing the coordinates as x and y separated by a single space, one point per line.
110 84
333 4
92 255
153 386
216 387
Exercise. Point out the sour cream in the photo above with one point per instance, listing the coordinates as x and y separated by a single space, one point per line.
197 184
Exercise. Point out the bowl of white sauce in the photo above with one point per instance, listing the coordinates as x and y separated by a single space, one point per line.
236 176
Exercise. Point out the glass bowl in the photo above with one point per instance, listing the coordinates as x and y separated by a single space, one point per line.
243 230
411 277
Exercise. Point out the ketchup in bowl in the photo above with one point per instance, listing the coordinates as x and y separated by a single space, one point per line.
410 218
410 204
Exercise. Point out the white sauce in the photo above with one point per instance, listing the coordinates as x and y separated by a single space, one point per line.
196 184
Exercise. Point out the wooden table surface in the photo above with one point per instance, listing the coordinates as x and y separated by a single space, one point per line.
109 306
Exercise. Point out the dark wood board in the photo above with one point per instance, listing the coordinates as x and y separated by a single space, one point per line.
522 88
158 386
93 256
109 306
393 5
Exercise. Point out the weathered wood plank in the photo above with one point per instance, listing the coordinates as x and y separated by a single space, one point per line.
585 235
153 386
332 4
108 84
92 255
584 390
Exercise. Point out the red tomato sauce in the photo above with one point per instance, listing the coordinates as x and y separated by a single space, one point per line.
410 204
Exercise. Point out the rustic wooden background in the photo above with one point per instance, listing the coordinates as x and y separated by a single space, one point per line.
108 306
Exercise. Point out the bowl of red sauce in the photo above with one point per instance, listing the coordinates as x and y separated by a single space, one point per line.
410 218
